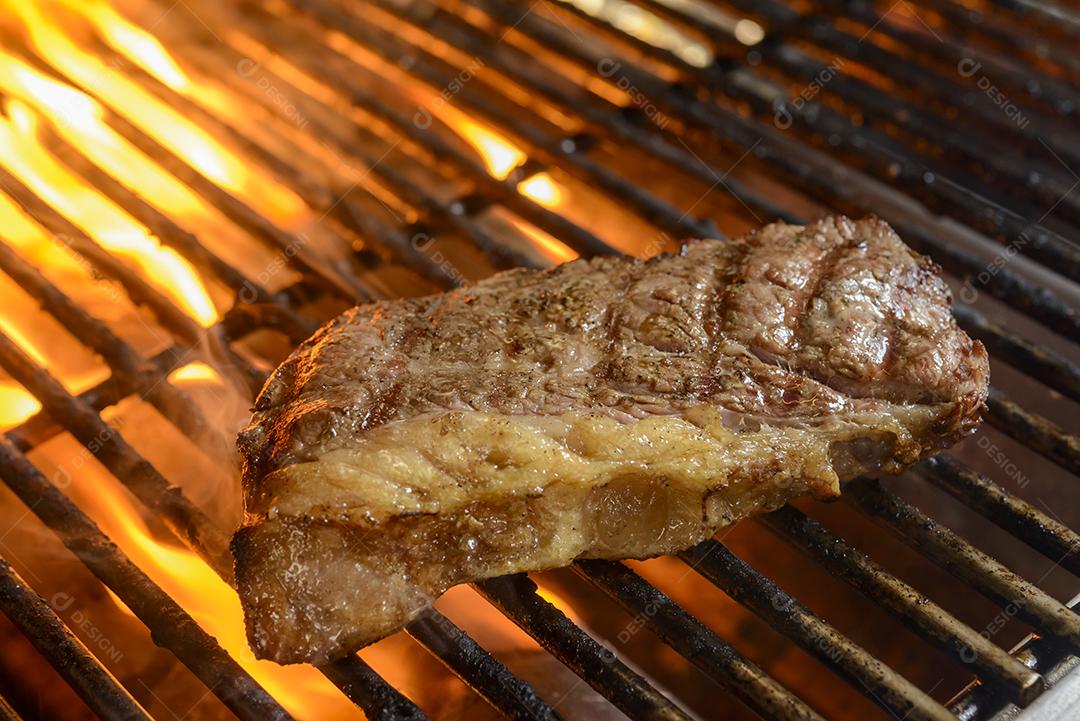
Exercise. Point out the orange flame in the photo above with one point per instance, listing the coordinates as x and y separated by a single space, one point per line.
541 188
302 690
552 248
16 405
152 116
23 155
499 155
137 44
81 118
555 599
195 372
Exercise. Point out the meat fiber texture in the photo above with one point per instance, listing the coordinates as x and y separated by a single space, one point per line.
606 408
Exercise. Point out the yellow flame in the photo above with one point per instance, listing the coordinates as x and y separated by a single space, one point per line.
302 690
197 372
499 155
151 115
137 44
19 338
22 153
16 405
549 595
541 188
79 120
119 602
549 245
65 270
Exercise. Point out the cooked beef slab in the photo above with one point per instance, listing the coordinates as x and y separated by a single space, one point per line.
609 408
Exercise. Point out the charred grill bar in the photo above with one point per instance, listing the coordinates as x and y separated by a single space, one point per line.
946 173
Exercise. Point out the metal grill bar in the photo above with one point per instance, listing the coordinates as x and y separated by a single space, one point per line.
963 560
928 79
1046 366
1035 432
438 74
368 690
1030 175
815 173
926 618
7 713
874 150
40 427
516 597
184 519
971 22
925 76
996 209
173 628
83 672
454 211
695 641
1049 536
620 122
128 367
981 701
1050 15
862 669
469 661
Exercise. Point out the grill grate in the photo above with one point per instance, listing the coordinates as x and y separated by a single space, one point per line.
939 193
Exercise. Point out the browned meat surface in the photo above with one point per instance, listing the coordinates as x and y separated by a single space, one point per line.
609 408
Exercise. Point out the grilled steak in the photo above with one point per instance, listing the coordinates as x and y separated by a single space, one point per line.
608 408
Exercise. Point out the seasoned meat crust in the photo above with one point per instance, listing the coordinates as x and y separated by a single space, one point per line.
608 408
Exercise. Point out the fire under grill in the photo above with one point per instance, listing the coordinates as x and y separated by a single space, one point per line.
190 188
